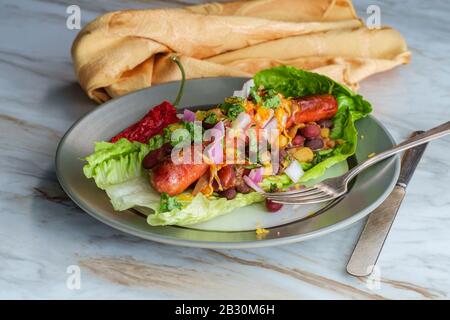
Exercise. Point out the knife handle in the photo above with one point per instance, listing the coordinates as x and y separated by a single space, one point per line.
374 234
376 230
410 161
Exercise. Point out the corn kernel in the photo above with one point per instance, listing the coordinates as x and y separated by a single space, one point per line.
283 141
325 132
303 154
330 143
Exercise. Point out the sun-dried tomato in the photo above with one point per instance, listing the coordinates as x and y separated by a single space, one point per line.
151 124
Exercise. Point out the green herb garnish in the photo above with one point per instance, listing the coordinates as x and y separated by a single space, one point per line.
271 99
232 107
211 118
255 95
168 203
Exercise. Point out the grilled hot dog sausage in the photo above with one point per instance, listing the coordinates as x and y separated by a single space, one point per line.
314 108
175 178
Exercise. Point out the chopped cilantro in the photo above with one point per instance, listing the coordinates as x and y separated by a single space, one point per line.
273 187
319 156
255 95
211 118
271 99
168 203
272 102
232 107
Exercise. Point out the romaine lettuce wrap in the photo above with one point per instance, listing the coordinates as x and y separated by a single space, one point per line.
314 115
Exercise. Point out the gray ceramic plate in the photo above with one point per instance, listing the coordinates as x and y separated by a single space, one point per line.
237 229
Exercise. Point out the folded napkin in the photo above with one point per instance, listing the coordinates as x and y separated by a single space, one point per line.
123 51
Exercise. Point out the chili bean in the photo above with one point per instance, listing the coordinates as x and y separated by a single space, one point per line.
314 144
243 188
298 141
152 158
273 206
230 194
310 131
326 123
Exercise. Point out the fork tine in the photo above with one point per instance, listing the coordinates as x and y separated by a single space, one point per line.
296 191
292 195
301 200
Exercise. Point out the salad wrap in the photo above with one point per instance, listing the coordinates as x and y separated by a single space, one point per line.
282 95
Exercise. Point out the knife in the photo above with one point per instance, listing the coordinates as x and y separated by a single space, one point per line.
374 234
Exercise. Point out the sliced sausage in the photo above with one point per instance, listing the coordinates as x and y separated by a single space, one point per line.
175 178
314 108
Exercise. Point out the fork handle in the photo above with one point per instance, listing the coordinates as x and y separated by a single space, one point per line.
429 135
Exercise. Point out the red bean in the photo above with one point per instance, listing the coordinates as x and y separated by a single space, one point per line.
314 144
310 131
298 141
327 123
230 194
152 158
243 188
273 206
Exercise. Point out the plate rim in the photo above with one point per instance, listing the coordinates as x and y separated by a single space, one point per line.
211 244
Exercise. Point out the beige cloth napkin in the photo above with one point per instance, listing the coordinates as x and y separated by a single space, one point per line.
123 51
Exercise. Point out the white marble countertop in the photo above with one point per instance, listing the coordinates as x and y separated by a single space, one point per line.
42 232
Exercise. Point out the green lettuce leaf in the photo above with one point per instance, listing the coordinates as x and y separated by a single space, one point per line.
292 82
113 163
137 193
201 209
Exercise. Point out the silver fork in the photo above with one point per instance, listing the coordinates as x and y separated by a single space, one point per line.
332 188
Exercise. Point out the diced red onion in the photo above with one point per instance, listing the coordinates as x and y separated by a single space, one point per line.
252 184
220 126
256 174
294 171
188 115
215 149
215 152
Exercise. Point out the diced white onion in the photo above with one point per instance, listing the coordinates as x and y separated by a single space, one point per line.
242 121
245 91
294 171
272 124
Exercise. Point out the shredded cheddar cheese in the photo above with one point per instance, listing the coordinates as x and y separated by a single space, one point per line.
261 233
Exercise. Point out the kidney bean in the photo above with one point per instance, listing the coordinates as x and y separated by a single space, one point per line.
243 188
273 206
326 123
314 144
230 194
207 125
152 158
310 131
298 141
